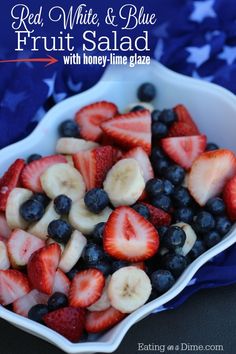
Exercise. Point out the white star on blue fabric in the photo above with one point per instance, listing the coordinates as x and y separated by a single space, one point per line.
198 55
76 87
202 9
39 114
205 78
159 49
161 30
59 96
22 55
228 54
192 281
50 82
12 99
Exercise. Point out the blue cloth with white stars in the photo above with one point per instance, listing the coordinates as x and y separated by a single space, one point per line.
195 38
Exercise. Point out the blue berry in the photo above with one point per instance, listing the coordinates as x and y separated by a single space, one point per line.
57 300
71 274
119 264
223 225
96 200
92 254
182 197
37 312
161 231
162 280
204 222
212 147
175 263
174 237
146 92
69 129
62 204
211 238
163 202
137 108
159 130
154 187
156 154
142 210
161 166
41 198
168 117
97 235
184 214
175 174
198 249
31 210
155 115
104 266
60 230
34 157
216 206
168 187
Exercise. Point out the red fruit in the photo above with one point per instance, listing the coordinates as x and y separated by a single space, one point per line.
32 172
181 129
5 230
209 173
42 267
130 130
86 288
61 283
22 305
184 150
158 216
143 160
185 125
90 117
13 285
129 236
67 321
98 321
94 165
9 181
229 196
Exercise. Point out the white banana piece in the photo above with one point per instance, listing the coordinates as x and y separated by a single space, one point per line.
128 289
4 260
69 146
124 182
15 199
63 179
145 105
185 181
190 238
103 303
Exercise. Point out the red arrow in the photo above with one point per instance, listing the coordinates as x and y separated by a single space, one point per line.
50 60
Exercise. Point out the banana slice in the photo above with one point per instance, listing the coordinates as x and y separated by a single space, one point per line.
83 220
72 251
40 228
62 178
128 289
15 199
185 181
69 146
103 303
145 105
190 238
124 183
4 260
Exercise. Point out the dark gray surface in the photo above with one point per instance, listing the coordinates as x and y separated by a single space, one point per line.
209 317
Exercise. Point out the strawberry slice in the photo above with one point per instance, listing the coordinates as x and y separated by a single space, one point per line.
90 117
143 160
158 217
22 305
209 173
94 165
9 181
5 230
42 267
13 285
130 130
21 245
184 125
129 236
31 174
61 283
185 149
86 288
229 196
99 321
67 321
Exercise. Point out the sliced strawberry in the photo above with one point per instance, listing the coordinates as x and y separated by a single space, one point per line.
9 181
5 230
184 125
158 217
22 305
21 245
61 283
99 321
86 288
130 130
230 198
13 285
129 236
143 160
181 129
42 267
184 150
90 117
209 173
67 321
31 174
94 165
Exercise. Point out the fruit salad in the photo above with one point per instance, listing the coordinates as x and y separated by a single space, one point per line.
112 218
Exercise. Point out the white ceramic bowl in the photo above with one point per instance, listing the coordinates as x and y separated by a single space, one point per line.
214 110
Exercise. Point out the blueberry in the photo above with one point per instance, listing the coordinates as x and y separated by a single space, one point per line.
198 249
154 294
168 117
204 222
92 254
104 267
175 174
159 130
184 214
69 129
96 200
223 225
212 147
137 108
154 187
211 238
163 202
60 230
62 204
168 187
34 157
156 154
216 206
142 210
41 198
162 280
155 115
161 231
174 237
119 264
146 92
97 235
31 210
57 300
182 197
37 312
175 263
71 274
160 166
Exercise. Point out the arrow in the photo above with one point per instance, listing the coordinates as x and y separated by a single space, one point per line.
50 60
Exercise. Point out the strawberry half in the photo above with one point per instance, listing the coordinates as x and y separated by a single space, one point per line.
185 149
94 165
42 267
61 283
184 125
130 130
5 230
67 321
129 236
99 321
158 217
86 288
229 196
90 117
22 305
32 172
10 180
13 285
209 173
143 160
